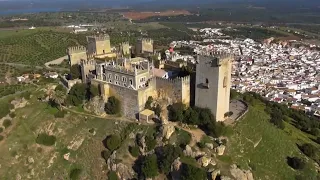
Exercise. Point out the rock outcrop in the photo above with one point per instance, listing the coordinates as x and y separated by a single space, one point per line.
220 150
176 169
19 103
96 105
204 161
239 174
214 174
167 131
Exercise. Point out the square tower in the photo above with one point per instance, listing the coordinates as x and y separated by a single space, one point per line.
144 46
99 44
213 82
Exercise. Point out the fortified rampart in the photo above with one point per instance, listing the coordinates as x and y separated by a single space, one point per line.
175 90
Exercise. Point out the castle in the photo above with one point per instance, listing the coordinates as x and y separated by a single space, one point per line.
132 80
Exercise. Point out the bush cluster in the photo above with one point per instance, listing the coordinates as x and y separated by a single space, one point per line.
6 123
45 139
113 106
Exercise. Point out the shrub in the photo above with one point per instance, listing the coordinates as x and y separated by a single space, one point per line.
1 137
295 163
113 142
148 103
105 154
45 139
315 131
134 151
6 123
1 129
12 115
318 140
149 167
75 174
60 114
150 143
113 106
189 172
166 157
112 175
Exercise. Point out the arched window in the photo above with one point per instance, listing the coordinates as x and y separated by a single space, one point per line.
207 81
225 82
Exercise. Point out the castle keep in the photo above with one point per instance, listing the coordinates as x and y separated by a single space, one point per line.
132 80
213 83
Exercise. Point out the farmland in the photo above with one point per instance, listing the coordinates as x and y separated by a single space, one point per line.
35 47
144 15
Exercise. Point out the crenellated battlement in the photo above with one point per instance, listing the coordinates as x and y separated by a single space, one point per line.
217 54
76 49
125 43
90 56
119 69
176 81
146 40
103 37
85 62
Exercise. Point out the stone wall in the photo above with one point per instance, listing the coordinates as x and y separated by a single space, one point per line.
128 98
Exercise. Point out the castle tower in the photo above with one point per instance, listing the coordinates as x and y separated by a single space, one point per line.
99 44
125 49
87 68
144 46
75 54
213 82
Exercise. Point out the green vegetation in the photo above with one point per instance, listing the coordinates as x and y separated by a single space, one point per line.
1 129
6 123
37 47
112 176
149 166
113 142
14 88
75 72
75 174
77 95
255 33
197 116
257 143
1 137
45 139
295 162
150 143
189 172
113 106
166 157
134 151
60 114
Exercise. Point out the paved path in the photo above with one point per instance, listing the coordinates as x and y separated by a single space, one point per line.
237 107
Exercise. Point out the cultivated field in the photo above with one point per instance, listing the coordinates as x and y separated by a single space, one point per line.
35 47
144 15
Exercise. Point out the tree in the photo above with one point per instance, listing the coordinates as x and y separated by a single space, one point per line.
113 142
134 151
58 97
150 143
93 91
166 157
190 172
77 94
113 106
75 72
149 166
148 103
6 123
176 112
191 116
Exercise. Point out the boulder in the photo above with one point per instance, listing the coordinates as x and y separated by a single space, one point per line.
209 145
30 160
188 151
225 178
142 143
124 171
214 174
167 131
204 161
66 156
239 174
220 150
176 169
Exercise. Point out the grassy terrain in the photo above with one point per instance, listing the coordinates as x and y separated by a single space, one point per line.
35 47
260 146
19 143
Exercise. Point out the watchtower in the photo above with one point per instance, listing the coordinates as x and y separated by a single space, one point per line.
99 44
213 82
144 46
88 67
76 53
